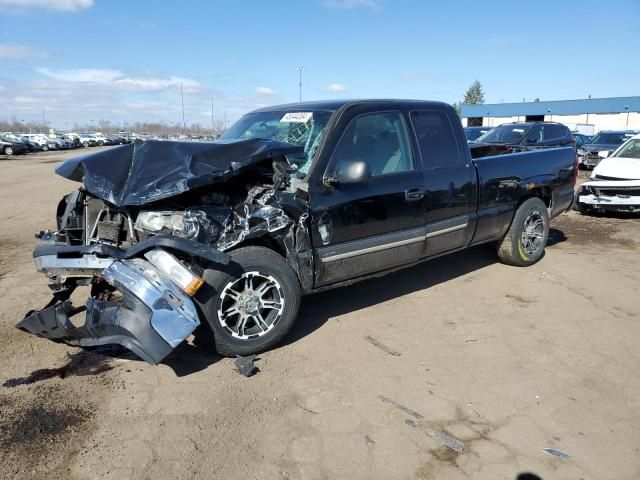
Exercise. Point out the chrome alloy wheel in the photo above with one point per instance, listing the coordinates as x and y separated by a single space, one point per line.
533 233
250 306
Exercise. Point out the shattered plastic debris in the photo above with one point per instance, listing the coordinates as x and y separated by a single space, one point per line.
245 366
381 346
556 453
401 407
253 220
447 440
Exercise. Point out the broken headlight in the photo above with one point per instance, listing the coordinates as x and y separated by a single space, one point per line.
192 224
167 222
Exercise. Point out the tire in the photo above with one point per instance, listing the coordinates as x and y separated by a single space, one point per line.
8 151
523 248
582 209
85 144
260 266
100 143
45 148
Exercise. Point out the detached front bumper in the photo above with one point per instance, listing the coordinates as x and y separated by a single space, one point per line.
146 312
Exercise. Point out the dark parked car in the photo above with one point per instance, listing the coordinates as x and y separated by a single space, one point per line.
529 134
12 146
605 141
472 133
226 237
581 139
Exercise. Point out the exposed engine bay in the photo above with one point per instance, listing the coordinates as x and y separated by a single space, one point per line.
147 223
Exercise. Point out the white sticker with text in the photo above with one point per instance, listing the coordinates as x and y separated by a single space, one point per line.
297 117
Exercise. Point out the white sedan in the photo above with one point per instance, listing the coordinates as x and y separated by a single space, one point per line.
615 182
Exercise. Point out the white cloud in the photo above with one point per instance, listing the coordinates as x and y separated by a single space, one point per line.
57 5
16 52
348 4
119 81
94 75
265 91
336 88
158 84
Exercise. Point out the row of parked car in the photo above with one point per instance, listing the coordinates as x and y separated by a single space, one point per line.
19 143
524 135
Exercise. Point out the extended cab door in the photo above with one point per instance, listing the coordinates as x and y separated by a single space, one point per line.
376 223
451 185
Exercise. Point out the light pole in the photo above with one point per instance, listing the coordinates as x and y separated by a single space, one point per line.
184 125
213 125
626 107
300 69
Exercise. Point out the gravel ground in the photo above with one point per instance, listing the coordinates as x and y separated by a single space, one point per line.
370 383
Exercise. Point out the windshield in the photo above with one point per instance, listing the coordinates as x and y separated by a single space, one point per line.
299 128
631 149
504 134
608 138
473 133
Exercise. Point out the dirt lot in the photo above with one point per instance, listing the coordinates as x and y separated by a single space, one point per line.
506 360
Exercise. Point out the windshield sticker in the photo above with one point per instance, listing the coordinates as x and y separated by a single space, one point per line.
297 117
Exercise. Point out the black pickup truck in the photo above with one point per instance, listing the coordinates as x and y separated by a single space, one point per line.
223 239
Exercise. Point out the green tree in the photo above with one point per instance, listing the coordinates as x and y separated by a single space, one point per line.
474 95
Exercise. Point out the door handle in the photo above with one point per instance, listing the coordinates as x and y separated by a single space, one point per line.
413 194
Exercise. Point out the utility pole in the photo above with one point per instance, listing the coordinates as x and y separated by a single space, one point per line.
300 69
225 121
212 124
184 125
44 123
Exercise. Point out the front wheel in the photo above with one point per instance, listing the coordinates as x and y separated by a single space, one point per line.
8 151
251 305
45 148
524 243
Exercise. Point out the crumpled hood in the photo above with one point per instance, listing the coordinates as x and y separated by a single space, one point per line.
618 167
141 173
599 147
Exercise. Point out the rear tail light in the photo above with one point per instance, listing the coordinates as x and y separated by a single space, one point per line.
575 170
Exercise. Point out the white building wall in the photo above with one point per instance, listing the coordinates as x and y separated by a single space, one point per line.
594 121
495 121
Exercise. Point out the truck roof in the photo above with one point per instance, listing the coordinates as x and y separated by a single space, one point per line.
333 105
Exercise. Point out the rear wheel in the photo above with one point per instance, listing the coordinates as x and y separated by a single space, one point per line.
252 305
524 243
45 148
8 150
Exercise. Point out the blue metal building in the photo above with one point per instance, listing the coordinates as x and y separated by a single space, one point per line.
589 113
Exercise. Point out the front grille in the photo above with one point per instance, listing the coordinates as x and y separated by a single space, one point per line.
612 192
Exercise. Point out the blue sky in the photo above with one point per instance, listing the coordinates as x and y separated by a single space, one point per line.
118 60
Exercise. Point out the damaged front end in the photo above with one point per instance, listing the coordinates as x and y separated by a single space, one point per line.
140 241
141 300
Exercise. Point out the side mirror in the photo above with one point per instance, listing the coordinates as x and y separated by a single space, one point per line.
532 140
351 171
603 154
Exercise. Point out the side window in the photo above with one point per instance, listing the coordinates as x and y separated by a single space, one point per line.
534 135
436 140
552 132
380 139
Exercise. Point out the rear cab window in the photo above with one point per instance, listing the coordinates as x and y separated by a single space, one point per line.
436 139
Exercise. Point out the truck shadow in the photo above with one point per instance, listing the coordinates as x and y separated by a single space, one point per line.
318 308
